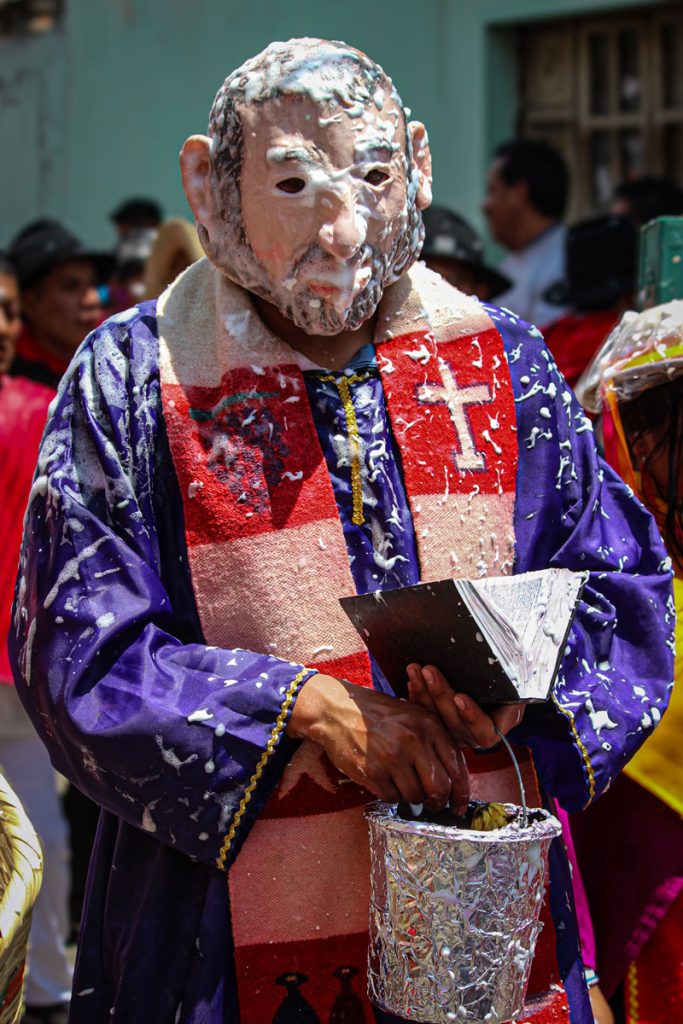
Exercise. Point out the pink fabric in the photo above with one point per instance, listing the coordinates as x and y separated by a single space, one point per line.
630 848
583 914
654 913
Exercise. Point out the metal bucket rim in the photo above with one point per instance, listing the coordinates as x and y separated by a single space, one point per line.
547 828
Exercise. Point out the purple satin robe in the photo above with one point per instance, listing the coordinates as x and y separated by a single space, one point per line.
164 732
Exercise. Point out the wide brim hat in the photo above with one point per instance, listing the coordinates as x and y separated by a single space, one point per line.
46 244
600 266
448 236
176 244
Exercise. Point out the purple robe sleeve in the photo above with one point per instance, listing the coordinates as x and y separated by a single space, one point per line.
134 708
574 511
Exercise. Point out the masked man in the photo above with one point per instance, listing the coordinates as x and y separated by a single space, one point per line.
305 414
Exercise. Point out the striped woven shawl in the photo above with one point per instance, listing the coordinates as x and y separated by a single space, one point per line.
269 562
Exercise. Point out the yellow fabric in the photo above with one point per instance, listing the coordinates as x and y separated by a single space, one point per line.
658 765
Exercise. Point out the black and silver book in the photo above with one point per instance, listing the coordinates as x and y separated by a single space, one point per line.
499 639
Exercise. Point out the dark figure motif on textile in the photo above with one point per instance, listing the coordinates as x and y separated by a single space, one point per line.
294 1008
348 1006
246 452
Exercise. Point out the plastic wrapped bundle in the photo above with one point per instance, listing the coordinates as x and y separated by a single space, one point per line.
21 869
644 350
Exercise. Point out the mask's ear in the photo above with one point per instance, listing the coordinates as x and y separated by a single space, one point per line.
195 170
422 159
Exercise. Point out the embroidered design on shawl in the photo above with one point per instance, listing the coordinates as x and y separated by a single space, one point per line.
268 562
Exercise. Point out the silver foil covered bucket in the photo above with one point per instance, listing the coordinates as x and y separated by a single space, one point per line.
454 915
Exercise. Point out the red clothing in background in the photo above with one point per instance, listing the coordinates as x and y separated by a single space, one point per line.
23 411
35 363
654 983
575 338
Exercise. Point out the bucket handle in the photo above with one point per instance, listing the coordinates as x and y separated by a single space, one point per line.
520 783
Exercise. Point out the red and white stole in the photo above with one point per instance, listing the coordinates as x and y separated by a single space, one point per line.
268 562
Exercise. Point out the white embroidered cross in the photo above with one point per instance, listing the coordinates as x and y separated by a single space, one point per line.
457 399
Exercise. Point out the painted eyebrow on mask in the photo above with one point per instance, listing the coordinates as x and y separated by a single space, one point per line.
277 155
375 149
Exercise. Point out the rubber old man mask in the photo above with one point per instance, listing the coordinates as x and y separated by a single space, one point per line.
308 189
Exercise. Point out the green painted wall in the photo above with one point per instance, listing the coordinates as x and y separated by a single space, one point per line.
99 110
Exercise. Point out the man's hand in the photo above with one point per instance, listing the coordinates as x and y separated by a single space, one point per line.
397 750
462 716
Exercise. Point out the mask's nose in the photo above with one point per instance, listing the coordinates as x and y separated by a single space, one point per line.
344 231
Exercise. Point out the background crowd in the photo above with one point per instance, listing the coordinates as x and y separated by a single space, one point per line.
573 281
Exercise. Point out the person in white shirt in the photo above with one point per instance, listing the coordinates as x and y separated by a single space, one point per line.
526 199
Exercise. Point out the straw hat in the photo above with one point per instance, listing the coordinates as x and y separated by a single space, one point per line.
448 236
175 248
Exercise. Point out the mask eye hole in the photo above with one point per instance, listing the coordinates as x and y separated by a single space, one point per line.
376 177
291 185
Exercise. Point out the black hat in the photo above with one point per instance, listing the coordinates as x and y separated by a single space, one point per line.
448 236
44 245
601 263
139 213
